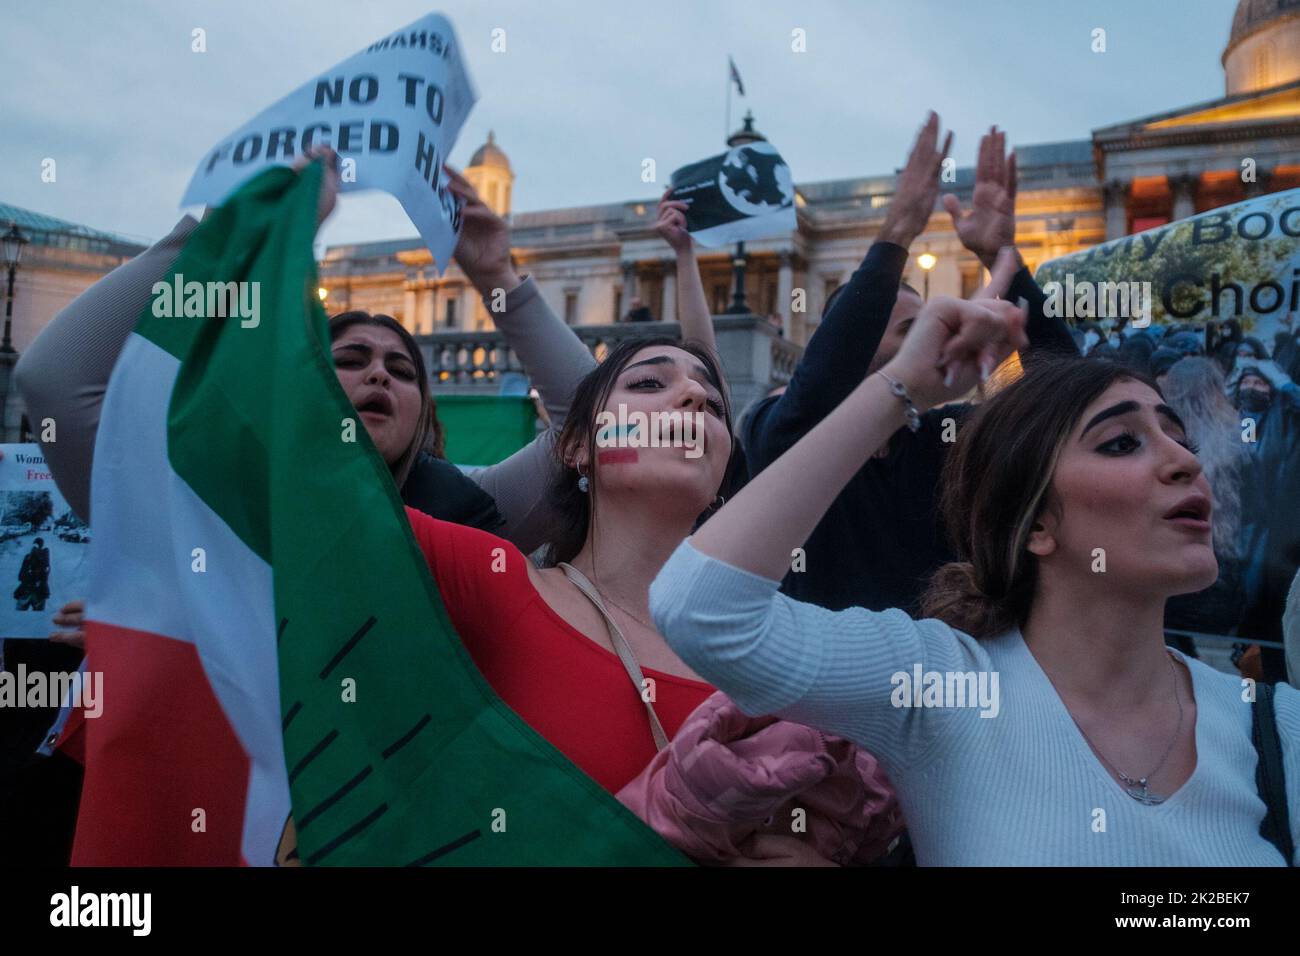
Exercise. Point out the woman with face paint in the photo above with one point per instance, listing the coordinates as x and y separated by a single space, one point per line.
571 648
1035 716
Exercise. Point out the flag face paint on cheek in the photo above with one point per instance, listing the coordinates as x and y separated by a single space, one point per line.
617 456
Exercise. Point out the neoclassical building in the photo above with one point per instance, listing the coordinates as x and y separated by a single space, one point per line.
590 261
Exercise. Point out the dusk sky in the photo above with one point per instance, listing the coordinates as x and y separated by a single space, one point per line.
585 90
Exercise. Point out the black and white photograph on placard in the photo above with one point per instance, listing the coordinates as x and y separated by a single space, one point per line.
744 193
43 545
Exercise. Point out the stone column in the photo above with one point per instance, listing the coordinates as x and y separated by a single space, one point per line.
424 310
469 307
1115 198
668 308
408 311
1183 187
784 286
629 286
435 300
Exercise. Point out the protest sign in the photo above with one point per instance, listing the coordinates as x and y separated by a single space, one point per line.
1238 262
43 545
744 193
392 113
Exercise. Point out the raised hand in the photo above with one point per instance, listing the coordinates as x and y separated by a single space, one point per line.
990 225
956 343
671 223
917 187
483 250
329 184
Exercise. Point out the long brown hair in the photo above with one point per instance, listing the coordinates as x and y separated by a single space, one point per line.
996 483
574 508
342 322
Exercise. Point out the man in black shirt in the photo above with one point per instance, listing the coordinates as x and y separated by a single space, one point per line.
881 540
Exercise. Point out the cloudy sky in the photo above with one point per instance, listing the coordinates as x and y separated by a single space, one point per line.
585 90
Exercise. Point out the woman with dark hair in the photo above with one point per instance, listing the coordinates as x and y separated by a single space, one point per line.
571 648
381 368
1077 508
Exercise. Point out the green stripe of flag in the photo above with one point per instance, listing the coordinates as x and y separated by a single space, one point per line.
419 768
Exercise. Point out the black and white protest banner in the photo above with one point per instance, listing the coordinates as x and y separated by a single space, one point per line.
1238 262
43 545
744 193
392 113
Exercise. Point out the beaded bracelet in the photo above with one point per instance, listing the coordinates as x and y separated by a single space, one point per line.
910 413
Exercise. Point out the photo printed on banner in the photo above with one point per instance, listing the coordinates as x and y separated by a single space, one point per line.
43 545
744 193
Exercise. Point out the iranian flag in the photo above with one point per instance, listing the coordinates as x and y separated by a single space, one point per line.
281 680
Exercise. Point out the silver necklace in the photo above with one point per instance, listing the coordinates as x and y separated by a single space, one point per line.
1137 788
609 600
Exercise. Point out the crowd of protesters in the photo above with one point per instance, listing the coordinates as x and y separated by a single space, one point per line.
899 508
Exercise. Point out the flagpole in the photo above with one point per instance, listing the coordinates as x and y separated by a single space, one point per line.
727 132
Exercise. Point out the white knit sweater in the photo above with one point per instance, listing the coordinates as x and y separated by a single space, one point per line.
1018 787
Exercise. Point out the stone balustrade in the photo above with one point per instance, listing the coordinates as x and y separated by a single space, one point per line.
754 358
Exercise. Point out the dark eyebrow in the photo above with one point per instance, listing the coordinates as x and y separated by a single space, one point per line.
669 360
656 360
1124 408
366 350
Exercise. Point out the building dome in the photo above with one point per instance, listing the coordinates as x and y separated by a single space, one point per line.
490 154
1263 48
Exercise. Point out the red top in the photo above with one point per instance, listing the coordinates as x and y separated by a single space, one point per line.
571 690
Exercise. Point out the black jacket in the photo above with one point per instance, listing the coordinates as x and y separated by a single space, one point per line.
881 539
441 490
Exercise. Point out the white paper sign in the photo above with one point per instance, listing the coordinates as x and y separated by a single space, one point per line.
392 113
43 545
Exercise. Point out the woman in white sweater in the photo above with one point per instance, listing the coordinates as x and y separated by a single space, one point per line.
1036 716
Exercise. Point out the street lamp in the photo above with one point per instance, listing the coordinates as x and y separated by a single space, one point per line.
927 262
739 262
13 241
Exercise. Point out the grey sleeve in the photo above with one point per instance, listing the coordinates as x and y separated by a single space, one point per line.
64 374
556 360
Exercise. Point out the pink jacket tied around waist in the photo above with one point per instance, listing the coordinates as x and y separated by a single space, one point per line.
727 779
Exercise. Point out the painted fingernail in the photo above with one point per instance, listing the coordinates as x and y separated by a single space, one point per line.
947 378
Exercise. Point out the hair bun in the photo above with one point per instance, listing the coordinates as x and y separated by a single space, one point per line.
955 597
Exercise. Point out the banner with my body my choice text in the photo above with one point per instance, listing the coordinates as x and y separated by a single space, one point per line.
1237 262
392 113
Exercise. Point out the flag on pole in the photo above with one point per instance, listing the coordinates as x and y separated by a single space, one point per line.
281 680
735 76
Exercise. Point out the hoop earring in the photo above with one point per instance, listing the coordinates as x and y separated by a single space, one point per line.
717 504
